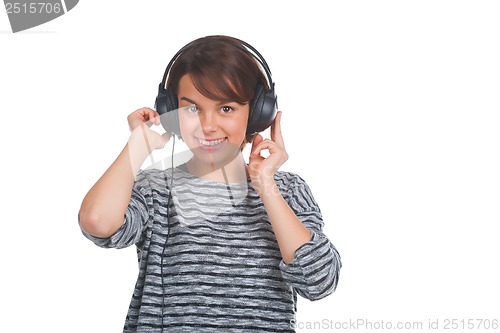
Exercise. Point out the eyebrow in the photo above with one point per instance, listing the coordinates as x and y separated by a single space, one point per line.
193 102
188 100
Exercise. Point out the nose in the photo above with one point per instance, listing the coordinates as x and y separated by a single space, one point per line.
208 121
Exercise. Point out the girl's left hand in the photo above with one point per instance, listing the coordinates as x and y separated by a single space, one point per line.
262 169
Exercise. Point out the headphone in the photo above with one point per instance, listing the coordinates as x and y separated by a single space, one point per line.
262 106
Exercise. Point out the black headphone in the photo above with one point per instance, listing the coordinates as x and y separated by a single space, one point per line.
262 106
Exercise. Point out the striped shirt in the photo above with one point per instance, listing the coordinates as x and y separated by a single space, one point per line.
209 260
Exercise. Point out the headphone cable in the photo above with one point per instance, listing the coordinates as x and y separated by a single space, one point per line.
168 231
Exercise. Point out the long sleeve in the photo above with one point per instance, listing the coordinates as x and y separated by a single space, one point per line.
314 271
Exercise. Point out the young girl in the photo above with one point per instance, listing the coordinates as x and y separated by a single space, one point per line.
223 246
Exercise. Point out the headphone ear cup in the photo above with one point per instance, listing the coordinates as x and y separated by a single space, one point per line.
161 102
255 109
262 110
172 103
166 106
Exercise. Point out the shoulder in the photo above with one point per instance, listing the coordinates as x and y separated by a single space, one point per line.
287 180
152 179
151 173
296 192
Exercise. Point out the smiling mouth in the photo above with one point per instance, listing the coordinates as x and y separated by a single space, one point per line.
210 144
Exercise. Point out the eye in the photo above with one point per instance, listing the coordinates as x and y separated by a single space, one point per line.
192 108
226 109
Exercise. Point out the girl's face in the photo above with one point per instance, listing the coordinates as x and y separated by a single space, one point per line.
213 130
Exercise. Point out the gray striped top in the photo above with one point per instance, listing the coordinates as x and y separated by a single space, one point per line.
209 260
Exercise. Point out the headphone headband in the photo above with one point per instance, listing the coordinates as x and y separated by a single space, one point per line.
254 54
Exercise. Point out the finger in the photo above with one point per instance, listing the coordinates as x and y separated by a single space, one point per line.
141 115
276 134
263 145
152 117
137 118
144 113
256 141
157 118
150 114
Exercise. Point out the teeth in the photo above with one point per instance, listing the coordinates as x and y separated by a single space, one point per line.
211 143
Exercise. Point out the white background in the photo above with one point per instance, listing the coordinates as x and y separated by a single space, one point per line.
391 114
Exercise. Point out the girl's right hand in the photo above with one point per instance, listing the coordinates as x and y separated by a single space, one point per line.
140 122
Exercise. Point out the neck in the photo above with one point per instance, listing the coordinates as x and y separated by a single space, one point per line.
233 171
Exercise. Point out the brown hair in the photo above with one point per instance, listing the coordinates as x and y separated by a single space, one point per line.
221 69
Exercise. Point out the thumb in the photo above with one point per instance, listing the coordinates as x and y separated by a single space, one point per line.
256 140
